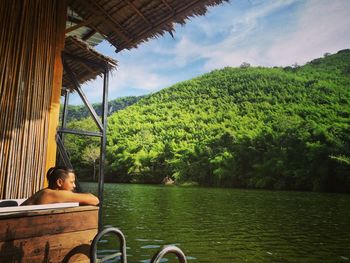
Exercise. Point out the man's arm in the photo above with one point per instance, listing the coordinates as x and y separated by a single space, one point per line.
62 196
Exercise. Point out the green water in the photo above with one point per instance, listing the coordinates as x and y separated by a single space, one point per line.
229 225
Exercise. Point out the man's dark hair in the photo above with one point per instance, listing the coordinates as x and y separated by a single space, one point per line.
55 173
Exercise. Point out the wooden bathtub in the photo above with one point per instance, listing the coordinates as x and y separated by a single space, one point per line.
44 233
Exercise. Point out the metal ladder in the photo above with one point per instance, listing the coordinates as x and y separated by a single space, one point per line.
122 249
167 250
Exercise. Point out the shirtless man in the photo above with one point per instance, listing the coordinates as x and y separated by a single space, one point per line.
61 185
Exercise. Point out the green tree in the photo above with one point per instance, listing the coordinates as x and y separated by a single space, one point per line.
91 154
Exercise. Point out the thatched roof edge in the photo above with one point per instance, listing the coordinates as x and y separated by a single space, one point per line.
86 52
199 8
126 24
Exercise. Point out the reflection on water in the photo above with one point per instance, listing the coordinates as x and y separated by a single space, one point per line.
229 225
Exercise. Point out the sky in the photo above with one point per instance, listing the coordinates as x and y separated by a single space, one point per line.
259 32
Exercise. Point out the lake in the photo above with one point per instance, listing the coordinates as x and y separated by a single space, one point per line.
228 225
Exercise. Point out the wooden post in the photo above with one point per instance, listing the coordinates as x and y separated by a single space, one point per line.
56 90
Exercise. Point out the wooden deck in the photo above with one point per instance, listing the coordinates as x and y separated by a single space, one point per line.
48 235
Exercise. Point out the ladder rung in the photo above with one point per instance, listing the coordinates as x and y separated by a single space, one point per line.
110 257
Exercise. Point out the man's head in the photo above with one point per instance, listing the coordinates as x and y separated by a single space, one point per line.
61 178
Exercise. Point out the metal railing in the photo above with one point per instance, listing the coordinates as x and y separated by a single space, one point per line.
170 249
101 123
122 247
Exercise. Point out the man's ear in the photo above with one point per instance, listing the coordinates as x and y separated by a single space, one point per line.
59 182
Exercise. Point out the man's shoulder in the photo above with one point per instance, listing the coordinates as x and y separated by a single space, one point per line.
45 192
37 198
48 195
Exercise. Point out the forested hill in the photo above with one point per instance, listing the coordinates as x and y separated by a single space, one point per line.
248 127
78 112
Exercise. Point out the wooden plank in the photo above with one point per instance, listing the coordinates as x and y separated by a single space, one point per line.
26 208
49 224
66 247
50 211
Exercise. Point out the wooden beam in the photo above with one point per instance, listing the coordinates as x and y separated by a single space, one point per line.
89 4
139 12
74 20
89 34
84 23
167 5
90 69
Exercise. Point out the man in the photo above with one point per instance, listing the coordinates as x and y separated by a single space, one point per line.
61 186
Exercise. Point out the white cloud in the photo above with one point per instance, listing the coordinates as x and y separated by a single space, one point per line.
136 77
238 46
323 26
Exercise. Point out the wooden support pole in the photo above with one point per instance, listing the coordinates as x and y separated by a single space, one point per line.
54 109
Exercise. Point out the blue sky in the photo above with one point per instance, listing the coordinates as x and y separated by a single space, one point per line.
260 32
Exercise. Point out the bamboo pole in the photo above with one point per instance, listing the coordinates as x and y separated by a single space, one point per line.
13 123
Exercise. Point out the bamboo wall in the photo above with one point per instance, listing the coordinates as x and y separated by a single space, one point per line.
30 32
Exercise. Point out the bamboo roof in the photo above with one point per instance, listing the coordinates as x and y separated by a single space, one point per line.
127 23
76 27
75 49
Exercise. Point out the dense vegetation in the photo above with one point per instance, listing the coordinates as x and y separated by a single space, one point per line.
84 151
251 127
78 112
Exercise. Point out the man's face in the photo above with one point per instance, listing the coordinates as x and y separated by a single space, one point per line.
68 183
